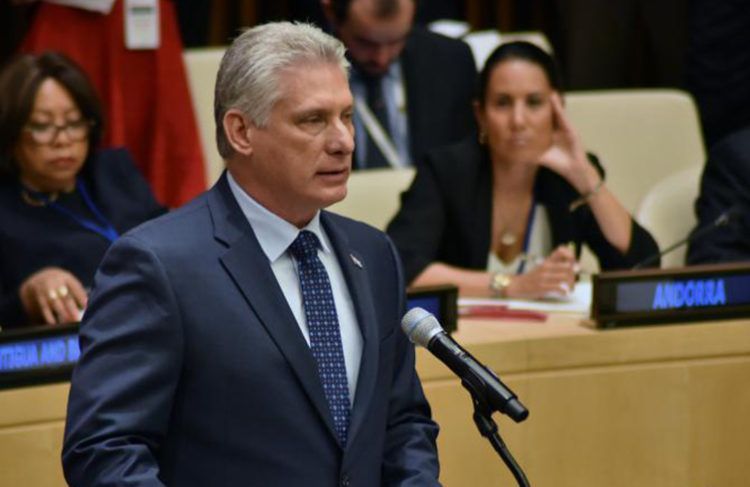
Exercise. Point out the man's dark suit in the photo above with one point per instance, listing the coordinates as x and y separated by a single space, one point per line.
725 184
440 77
194 371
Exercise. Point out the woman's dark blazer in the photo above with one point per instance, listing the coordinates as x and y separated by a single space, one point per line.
34 237
446 214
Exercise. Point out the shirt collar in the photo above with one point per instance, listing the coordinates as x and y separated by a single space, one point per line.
274 234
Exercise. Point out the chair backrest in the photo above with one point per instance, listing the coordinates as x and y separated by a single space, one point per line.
641 136
201 66
374 195
667 211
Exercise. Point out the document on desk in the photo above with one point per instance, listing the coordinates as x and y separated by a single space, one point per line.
579 301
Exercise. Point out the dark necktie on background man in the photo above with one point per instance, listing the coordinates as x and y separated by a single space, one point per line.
376 103
323 325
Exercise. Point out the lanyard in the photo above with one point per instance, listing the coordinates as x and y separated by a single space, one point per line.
527 237
378 134
103 227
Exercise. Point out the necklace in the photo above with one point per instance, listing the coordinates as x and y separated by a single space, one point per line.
38 199
508 238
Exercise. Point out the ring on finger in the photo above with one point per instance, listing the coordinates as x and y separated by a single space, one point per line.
62 291
52 294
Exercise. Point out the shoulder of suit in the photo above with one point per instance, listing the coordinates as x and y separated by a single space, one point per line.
187 217
112 164
421 37
735 146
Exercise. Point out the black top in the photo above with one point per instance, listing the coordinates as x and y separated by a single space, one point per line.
725 184
446 214
34 237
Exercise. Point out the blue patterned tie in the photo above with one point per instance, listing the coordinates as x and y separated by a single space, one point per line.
323 325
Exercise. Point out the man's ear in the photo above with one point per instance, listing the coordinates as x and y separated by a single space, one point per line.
239 131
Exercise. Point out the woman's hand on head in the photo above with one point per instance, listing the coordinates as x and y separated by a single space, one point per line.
566 156
53 295
555 275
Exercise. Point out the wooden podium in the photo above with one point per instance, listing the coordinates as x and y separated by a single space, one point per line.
645 406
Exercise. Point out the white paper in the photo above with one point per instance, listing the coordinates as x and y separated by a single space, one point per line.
579 301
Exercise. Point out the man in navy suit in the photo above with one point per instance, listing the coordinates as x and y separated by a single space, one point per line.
200 360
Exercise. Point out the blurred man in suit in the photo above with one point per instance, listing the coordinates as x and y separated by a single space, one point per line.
251 338
413 88
724 190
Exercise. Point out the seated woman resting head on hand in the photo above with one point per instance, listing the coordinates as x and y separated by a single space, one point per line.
506 213
62 202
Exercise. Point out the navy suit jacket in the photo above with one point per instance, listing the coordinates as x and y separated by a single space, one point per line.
193 370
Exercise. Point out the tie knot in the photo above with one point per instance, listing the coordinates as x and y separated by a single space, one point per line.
305 246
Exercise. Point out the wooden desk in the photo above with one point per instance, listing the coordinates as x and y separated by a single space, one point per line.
650 406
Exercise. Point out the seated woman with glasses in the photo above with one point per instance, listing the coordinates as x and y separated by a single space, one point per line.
62 201
506 214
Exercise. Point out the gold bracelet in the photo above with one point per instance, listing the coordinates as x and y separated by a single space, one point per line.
584 198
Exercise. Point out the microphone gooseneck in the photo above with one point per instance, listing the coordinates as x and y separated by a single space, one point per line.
724 219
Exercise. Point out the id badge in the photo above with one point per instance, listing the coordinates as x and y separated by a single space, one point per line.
141 24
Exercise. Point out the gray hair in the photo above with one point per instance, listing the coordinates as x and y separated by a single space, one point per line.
248 77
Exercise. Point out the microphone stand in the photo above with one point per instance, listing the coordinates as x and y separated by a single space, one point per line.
488 428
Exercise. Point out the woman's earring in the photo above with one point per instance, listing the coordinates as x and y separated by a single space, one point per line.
482 137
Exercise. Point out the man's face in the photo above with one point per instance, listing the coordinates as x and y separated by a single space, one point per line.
374 43
301 159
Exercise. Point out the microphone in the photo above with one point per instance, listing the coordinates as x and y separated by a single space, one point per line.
725 218
423 329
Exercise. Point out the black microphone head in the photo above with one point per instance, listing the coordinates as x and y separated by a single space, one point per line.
420 326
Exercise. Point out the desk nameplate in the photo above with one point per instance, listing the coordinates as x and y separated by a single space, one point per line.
671 295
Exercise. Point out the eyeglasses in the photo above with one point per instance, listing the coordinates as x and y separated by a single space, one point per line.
46 133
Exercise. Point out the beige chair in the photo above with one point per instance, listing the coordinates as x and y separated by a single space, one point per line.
201 66
374 195
641 136
667 211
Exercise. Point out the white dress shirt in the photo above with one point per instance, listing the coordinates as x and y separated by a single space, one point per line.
275 235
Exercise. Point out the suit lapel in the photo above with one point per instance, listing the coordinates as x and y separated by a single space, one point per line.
356 270
245 261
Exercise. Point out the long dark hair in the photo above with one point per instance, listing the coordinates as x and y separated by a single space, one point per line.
525 51
19 84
